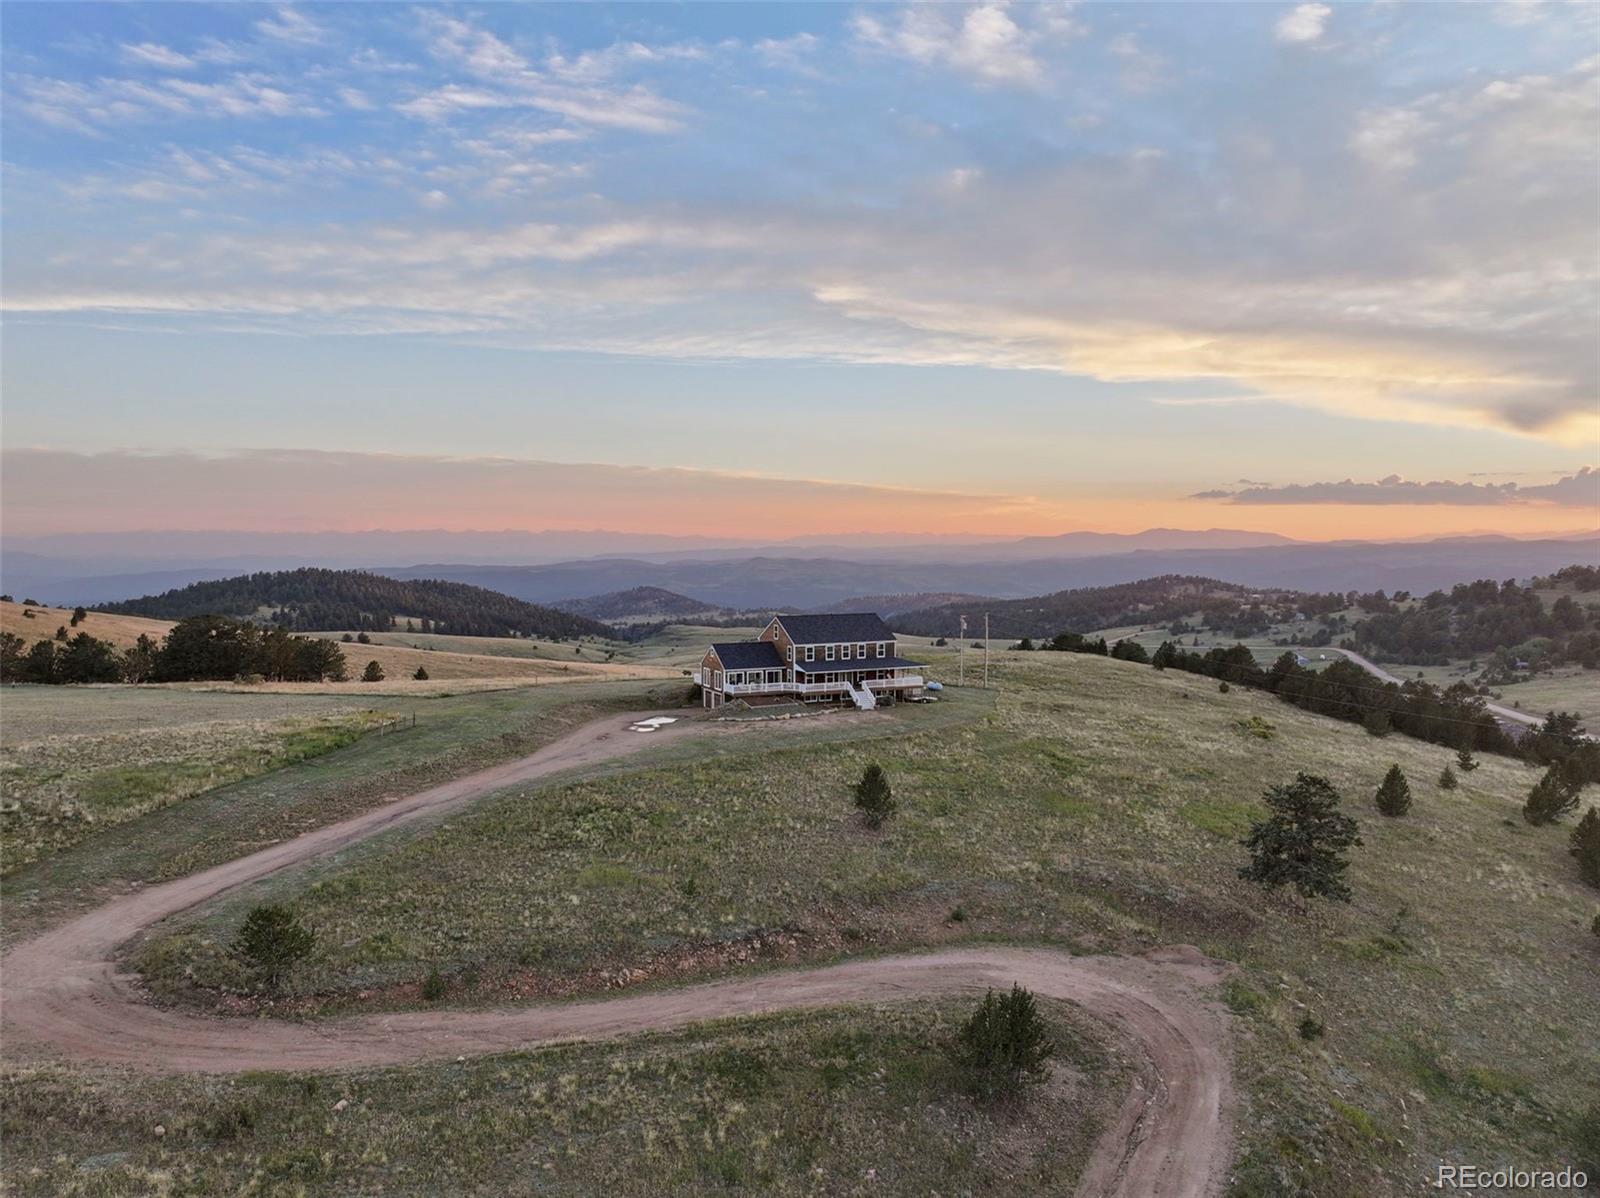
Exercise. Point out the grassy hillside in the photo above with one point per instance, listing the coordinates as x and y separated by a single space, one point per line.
437 738
311 600
1098 806
121 630
849 1101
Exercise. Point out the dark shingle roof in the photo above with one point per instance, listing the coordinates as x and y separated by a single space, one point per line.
836 629
748 655
855 663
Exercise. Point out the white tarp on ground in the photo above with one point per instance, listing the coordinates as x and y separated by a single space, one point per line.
653 723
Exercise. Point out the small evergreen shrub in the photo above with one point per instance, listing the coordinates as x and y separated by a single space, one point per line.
433 986
271 941
1394 795
1005 1046
1552 796
1585 846
373 672
1447 779
1311 1028
874 797
422 674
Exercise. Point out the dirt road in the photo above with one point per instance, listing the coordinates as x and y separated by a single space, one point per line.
61 995
1494 709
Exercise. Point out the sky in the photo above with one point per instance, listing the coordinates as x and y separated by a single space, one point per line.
787 269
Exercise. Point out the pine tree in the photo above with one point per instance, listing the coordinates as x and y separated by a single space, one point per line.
1552 796
1585 842
1377 722
421 675
874 796
1447 779
1394 795
78 616
272 941
1464 761
1303 842
1004 1046
373 672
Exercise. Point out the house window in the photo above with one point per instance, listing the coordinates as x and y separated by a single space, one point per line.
861 652
883 649
791 652
827 652
811 653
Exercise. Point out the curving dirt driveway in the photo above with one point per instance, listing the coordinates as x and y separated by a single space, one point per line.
61 996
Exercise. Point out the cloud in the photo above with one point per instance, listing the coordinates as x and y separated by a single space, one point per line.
504 79
984 42
1303 23
48 491
1580 490
94 106
291 26
149 54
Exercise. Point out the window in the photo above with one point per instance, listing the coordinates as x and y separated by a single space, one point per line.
735 678
827 653
861 652
811 653
883 649
791 652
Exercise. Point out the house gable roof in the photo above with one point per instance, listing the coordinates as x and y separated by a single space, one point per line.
748 655
836 629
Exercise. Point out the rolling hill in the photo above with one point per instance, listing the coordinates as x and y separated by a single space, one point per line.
1150 600
314 600
642 603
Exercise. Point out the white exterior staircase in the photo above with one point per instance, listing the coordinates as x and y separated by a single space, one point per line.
861 697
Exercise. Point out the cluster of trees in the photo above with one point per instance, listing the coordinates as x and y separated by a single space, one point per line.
1454 716
1076 642
310 600
201 648
1485 618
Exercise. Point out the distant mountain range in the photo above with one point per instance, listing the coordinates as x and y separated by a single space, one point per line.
794 575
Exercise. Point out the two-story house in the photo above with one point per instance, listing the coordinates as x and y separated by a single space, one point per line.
813 659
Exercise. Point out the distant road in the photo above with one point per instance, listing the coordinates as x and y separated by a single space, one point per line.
1495 709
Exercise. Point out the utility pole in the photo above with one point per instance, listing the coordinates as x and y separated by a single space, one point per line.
986 650
961 661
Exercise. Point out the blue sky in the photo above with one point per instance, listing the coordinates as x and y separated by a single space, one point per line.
1062 265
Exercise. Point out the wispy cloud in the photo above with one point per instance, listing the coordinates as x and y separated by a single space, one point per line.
292 26
151 54
1580 490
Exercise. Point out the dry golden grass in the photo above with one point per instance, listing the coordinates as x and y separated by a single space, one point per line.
121 631
463 671
400 662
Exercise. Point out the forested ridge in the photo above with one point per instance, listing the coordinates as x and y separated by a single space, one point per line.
1489 619
318 600
1158 600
